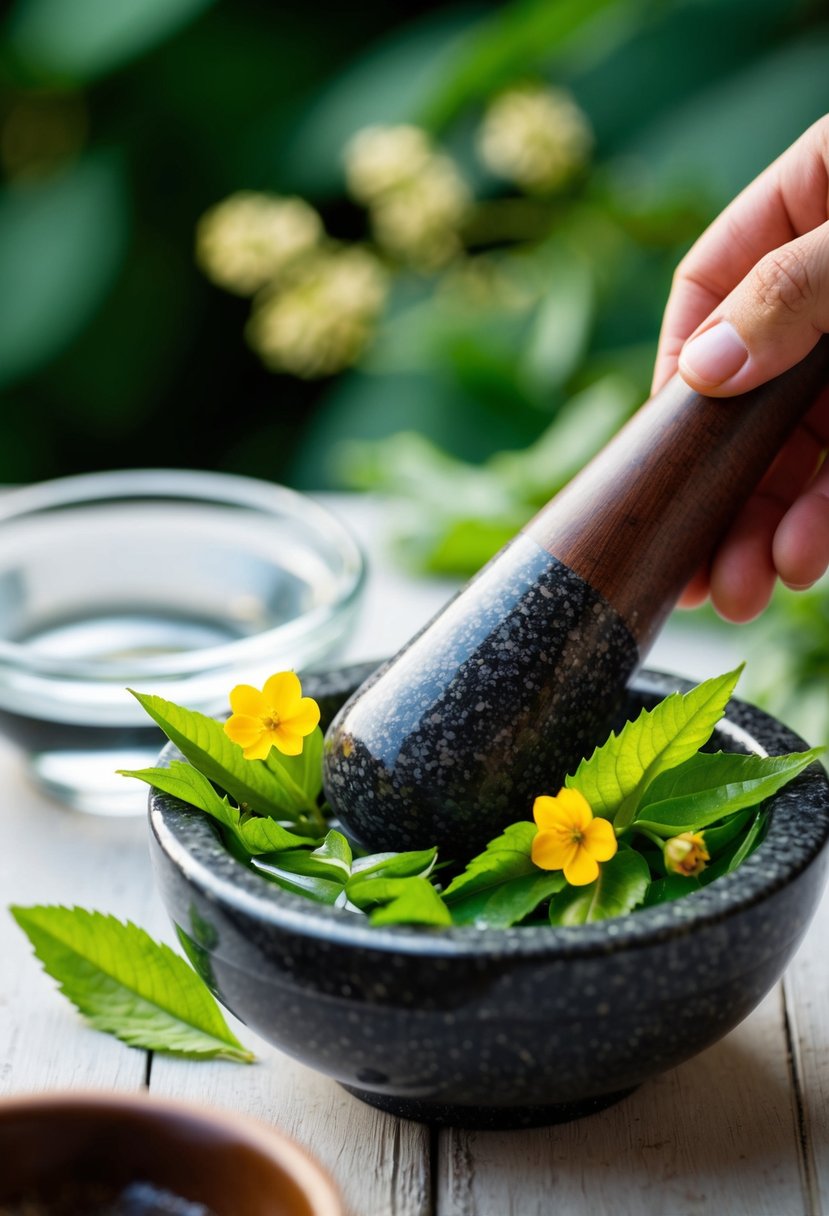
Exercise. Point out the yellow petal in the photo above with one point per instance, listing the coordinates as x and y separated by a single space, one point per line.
575 807
600 839
582 869
569 810
545 813
247 700
286 741
258 750
305 719
283 692
552 851
243 730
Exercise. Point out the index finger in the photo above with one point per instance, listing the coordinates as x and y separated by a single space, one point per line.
788 199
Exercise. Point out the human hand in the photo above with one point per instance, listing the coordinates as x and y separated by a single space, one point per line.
748 301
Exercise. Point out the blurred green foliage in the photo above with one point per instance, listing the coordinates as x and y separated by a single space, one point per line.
121 123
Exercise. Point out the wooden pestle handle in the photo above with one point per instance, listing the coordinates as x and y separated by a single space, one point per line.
646 512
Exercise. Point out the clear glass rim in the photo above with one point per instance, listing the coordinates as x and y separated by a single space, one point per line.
186 485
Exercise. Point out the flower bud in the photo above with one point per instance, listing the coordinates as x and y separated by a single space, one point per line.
322 320
686 854
535 136
249 239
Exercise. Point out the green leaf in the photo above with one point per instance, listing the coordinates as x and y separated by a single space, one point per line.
615 778
203 741
621 886
674 886
502 885
86 38
507 902
513 41
256 833
305 770
707 787
332 860
750 841
62 242
128 985
718 838
312 886
398 901
561 327
320 874
417 864
582 426
504 858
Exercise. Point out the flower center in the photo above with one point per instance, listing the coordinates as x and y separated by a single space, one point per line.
577 836
271 721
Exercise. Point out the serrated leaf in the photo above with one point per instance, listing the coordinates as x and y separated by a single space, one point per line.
707 787
203 741
398 901
615 778
256 833
504 858
621 886
126 984
501 886
416 864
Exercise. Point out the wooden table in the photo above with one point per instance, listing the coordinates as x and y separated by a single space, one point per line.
742 1130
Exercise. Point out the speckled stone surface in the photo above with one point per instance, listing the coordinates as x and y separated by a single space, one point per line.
494 702
501 1028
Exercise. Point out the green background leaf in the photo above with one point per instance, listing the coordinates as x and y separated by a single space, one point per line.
80 39
61 245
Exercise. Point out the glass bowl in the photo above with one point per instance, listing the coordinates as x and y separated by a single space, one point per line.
170 582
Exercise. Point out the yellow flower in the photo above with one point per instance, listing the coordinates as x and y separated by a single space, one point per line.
569 838
686 854
278 716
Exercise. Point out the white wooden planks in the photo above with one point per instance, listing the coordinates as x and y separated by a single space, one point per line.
51 855
716 1135
381 1164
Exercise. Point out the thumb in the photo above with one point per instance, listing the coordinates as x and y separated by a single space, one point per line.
769 322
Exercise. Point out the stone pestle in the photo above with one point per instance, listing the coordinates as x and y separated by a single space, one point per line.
498 698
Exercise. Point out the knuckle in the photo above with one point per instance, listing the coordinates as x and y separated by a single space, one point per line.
782 282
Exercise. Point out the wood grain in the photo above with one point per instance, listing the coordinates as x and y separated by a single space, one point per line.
718 1134
642 516
52 855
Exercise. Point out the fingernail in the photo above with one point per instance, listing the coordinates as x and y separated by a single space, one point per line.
714 356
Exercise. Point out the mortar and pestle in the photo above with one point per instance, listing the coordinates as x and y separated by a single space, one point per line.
524 671
490 705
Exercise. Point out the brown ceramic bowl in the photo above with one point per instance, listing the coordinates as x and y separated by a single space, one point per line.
59 1147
